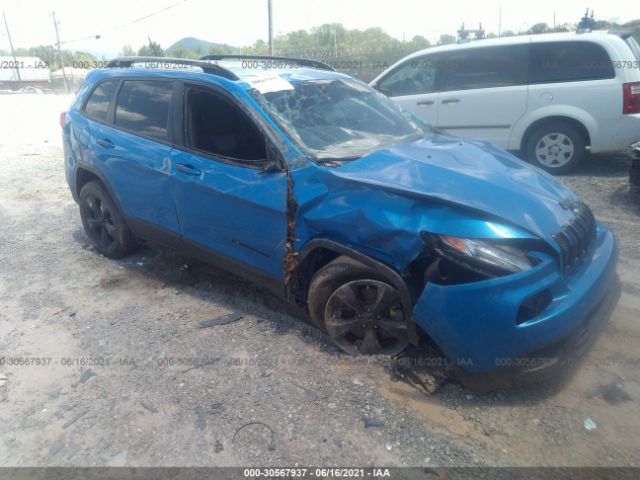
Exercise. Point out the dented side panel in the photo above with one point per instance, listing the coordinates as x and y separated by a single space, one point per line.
375 221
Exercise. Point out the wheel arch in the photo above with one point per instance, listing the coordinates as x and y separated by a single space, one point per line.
85 173
526 136
319 252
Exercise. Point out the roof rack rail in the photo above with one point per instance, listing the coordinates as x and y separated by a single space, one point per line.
624 34
207 67
303 62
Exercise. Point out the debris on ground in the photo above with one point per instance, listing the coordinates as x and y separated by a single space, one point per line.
613 393
422 379
86 375
217 447
56 447
272 443
75 418
223 320
310 395
202 364
201 419
371 422
216 408
590 424
149 406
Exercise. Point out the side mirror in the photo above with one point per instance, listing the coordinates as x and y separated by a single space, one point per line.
269 166
274 161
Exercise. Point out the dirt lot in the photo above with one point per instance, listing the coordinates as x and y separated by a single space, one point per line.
128 377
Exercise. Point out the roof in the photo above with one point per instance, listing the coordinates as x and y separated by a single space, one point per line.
515 39
259 72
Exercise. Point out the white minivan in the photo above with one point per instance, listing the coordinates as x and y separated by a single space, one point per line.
549 96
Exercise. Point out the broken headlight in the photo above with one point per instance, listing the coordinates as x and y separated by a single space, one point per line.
485 256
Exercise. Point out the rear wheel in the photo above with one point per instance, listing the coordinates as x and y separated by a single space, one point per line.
358 308
103 223
557 147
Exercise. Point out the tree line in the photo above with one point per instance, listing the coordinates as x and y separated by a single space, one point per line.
332 43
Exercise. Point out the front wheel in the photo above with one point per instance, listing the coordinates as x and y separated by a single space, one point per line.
358 308
556 147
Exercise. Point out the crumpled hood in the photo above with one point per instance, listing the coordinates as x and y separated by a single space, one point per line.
471 174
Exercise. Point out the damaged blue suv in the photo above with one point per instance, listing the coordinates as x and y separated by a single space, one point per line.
309 182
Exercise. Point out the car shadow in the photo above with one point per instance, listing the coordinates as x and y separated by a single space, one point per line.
627 198
207 283
601 165
420 366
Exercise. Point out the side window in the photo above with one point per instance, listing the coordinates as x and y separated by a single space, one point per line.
97 107
414 77
485 67
568 62
214 125
143 107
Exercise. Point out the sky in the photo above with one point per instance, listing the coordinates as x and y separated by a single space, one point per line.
241 22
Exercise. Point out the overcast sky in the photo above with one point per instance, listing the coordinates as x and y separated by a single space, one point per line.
241 22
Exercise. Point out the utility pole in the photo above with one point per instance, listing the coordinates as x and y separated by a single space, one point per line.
500 20
270 28
64 75
152 47
13 52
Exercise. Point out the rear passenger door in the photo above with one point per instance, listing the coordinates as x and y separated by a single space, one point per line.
412 86
576 77
133 150
483 91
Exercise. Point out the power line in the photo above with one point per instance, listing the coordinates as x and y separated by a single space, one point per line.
125 25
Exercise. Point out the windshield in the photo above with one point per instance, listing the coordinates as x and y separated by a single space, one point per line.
340 119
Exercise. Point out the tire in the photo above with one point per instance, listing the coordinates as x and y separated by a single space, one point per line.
103 222
374 310
557 147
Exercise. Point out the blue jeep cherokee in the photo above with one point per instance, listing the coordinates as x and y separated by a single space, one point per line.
313 184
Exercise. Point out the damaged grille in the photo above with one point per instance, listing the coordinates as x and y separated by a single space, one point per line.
576 237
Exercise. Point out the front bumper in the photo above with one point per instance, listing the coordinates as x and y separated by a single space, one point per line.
475 324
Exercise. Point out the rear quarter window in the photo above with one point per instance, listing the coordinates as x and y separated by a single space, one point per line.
552 62
97 107
143 107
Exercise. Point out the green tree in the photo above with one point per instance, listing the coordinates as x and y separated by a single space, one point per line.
539 28
446 39
127 51
153 49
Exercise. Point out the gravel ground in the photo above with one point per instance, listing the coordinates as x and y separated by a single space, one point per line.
127 377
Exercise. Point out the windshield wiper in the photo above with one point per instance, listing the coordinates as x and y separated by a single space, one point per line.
335 161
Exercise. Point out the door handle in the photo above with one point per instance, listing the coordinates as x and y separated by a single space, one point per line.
451 100
425 102
105 143
188 169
